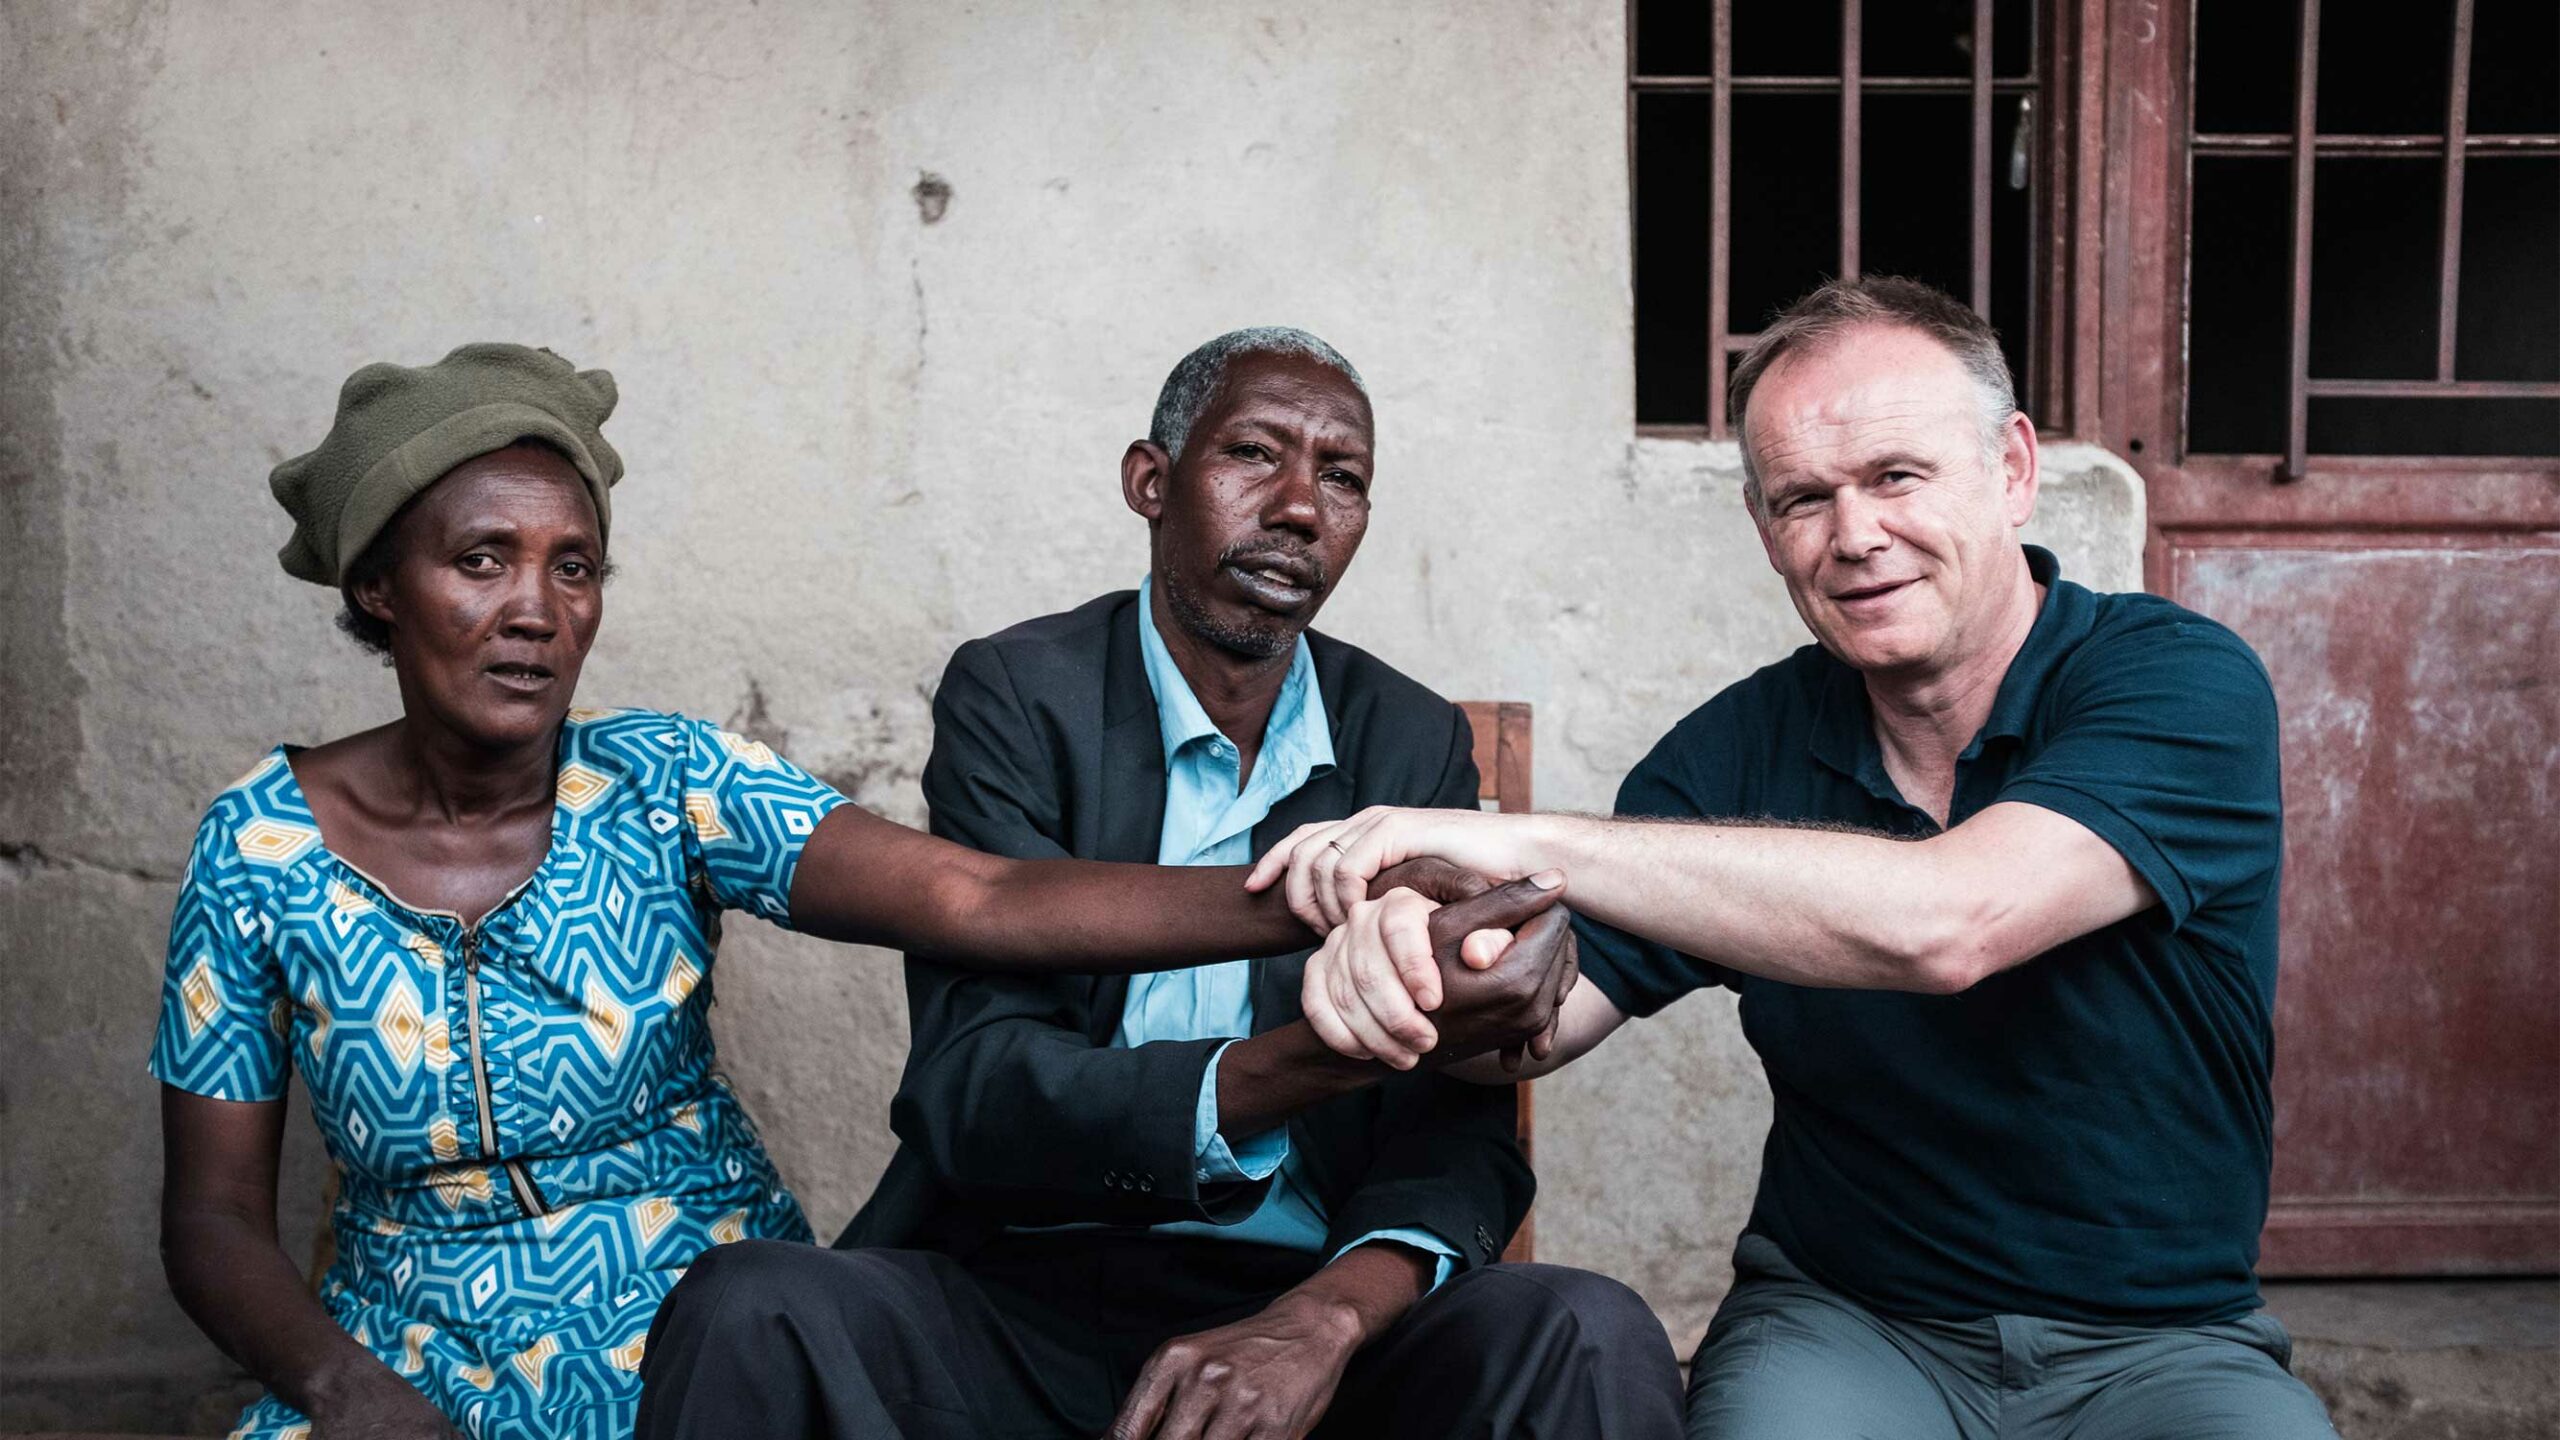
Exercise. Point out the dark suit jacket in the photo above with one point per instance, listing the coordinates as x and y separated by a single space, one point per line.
1016 1109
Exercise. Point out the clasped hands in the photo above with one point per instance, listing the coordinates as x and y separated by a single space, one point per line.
1421 962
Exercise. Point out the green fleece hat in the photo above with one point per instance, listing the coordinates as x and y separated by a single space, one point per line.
400 429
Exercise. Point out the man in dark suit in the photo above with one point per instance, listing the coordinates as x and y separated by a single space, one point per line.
1160 1203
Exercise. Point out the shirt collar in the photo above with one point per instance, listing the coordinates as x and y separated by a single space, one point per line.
1296 739
2062 621
1844 735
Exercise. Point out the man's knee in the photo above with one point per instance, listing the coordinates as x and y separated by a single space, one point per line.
1599 1312
1557 1319
745 1291
2206 1387
744 1277
1791 1364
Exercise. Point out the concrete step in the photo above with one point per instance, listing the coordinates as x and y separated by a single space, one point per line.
2428 1359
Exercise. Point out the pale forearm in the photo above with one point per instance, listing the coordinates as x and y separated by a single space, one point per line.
1806 906
1588 1019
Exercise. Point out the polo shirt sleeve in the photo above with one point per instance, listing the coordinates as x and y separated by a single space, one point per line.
2163 741
1641 976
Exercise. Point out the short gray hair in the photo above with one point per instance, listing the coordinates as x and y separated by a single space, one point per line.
1196 377
1842 305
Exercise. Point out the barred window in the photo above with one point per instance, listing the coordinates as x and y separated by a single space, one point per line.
2375 253
1781 142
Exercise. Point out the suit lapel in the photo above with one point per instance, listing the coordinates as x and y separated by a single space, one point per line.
1130 801
1275 978
1132 798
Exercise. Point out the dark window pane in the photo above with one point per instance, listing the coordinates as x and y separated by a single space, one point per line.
2244 56
1781 38
2360 426
2236 306
1672 134
2515 67
1786 202
2374 237
2013 38
1674 37
1916 203
2509 322
1916 167
2383 73
1935 37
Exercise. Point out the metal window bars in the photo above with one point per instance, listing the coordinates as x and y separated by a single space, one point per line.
2306 146
1852 84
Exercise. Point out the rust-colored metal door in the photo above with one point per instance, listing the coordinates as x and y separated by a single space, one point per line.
2303 286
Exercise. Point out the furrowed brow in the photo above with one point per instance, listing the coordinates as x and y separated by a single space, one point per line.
1896 458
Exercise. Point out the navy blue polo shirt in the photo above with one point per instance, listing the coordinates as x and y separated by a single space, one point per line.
2084 1136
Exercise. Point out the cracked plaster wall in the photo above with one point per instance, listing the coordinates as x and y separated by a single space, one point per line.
887 289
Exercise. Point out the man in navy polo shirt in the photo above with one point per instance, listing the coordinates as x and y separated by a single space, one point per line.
1994 869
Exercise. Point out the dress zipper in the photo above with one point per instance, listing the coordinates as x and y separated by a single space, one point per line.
526 1196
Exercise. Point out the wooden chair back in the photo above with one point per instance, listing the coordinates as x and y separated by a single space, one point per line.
1502 732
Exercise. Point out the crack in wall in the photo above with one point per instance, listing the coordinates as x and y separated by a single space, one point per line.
22 860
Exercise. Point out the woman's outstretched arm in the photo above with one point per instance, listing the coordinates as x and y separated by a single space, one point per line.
218 1246
872 881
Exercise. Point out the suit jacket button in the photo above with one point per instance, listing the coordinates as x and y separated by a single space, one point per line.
1484 1240
1112 1178
1147 1183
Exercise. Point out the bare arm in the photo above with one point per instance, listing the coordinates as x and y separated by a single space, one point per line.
1815 907
1809 907
1586 1019
218 1246
872 881
1847 910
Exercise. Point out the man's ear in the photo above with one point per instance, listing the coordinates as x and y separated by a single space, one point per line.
1145 472
2021 470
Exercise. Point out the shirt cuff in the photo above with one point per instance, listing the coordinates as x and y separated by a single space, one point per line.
1444 1259
1214 1160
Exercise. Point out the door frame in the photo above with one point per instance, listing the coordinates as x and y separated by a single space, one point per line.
2137 73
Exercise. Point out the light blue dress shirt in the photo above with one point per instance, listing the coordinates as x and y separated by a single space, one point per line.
1209 820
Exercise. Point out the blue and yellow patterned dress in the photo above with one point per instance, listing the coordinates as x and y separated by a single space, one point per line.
533 1140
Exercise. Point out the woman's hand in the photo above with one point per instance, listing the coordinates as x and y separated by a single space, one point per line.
371 1402
1326 867
218 1243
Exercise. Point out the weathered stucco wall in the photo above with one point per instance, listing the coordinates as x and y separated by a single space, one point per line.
867 416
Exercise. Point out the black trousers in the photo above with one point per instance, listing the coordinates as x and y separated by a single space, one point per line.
1042 1335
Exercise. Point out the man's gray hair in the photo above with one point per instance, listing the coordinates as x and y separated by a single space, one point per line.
1196 376
1842 305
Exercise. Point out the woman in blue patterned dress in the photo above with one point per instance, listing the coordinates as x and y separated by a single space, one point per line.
483 933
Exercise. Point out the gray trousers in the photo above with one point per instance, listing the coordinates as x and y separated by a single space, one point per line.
1787 1359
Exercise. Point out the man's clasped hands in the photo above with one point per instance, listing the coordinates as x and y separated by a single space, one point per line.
1405 979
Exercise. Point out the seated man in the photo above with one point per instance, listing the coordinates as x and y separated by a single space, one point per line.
1160 1204
1994 870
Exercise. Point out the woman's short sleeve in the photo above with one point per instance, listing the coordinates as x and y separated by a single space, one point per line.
223 1008
748 812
